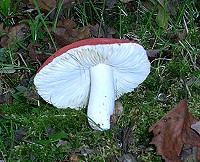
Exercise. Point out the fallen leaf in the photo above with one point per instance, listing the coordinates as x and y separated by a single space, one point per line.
97 31
66 24
67 33
19 134
18 31
173 131
46 6
3 99
75 158
196 127
32 52
153 52
31 96
125 138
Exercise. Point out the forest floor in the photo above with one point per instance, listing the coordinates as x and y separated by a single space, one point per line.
33 130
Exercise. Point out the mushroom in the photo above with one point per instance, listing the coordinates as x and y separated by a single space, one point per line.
94 73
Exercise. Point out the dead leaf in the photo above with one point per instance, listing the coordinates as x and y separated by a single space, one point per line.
18 31
32 51
19 134
75 158
173 131
5 97
45 5
156 54
147 4
31 96
67 33
66 24
153 52
97 31
196 127
126 138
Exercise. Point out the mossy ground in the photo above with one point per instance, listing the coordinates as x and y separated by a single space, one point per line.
44 133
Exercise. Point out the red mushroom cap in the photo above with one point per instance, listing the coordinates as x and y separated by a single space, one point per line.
91 42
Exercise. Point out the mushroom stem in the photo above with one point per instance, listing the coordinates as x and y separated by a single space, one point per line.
102 97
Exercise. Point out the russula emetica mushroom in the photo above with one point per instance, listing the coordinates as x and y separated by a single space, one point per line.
92 73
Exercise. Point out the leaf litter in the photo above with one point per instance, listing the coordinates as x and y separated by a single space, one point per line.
173 131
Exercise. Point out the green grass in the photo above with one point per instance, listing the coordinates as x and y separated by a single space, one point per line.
29 132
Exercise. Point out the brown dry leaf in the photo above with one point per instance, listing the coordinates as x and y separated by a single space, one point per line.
126 138
45 5
147 4
196 127
66 24
153 52
173 131
34 56
19 134
32 96
75 158
97 31
66 33
5 97
18 31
